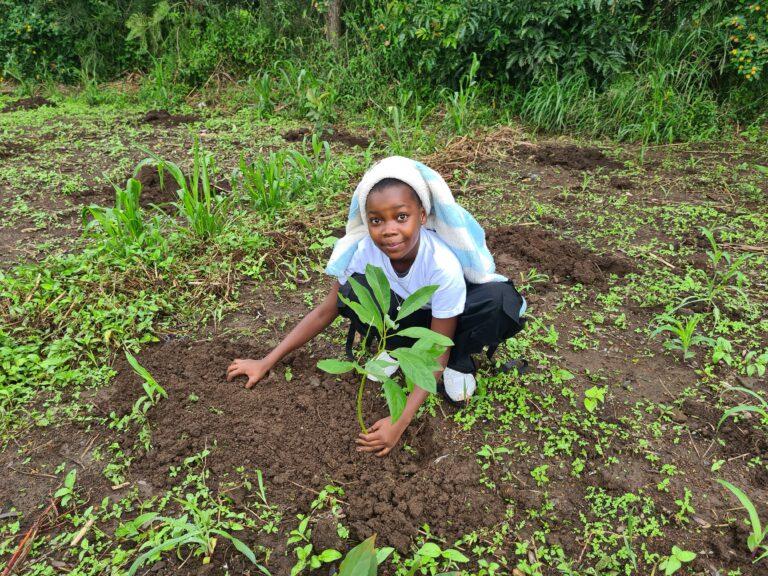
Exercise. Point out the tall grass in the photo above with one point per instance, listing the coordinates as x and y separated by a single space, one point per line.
665 97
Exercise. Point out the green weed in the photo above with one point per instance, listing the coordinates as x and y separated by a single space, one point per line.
124 226
204 209
758 534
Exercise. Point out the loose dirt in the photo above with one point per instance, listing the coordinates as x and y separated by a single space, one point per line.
153 190
336 135
300 433
520 248
566 155
28 104
165 118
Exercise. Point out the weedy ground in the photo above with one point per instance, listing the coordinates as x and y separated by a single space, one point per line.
645 272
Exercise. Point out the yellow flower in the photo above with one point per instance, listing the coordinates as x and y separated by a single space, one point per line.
751 37
734 51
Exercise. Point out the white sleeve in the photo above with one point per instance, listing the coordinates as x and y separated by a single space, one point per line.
448 301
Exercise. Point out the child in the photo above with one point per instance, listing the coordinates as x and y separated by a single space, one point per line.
404 220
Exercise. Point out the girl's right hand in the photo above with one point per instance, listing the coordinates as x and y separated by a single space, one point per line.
255 370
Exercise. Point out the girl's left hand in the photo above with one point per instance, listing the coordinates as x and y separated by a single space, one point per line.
381 437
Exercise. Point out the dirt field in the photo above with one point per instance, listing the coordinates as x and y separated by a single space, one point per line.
601 239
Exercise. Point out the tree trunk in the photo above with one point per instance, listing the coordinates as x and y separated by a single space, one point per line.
333 22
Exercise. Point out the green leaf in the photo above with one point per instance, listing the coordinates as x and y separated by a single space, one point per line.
418 368
335 366
329 555
421 333
383 553
671 565
395 397
366 300
376 368
747 503
241 546
454 555
685 555
429 550
132 527
379 284
415 301
361 560
366 316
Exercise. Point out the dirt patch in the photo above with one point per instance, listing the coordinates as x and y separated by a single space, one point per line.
336 135
301 434
568 156
11 150
153 191
30 103
520 248
165 118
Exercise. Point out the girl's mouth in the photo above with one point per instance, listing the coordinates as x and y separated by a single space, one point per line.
393 247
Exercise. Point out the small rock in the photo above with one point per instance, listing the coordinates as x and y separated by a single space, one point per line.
314 381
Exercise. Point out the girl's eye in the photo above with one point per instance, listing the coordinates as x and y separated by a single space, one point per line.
374 221
402 217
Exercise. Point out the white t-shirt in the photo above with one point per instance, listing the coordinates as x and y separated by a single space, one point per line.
435 263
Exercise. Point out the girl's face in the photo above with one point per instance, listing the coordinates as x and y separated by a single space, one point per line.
395 217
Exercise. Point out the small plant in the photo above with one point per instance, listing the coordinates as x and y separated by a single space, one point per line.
199 528
273 181
675 560
758 535
725 279
461 103
430 557
419 362
123 225
204 209
593 397
684 333
153 392
67 492
760 408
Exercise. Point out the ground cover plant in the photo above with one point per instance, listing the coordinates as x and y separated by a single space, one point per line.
633 442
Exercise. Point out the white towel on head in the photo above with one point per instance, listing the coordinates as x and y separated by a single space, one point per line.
455 226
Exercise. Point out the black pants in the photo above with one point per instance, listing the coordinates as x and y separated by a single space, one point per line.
491 316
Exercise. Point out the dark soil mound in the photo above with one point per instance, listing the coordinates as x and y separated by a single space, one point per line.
163 117
520 248
152 192
28 104
568 156
338 135
301 434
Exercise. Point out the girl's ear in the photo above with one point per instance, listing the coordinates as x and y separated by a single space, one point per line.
423 216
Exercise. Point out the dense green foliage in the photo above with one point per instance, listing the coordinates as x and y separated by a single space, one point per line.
651 71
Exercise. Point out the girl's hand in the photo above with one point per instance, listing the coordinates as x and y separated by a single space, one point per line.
255 370
381 437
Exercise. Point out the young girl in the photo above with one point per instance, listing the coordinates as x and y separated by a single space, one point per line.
403 219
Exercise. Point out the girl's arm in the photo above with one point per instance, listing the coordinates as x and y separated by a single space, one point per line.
384 434
309 327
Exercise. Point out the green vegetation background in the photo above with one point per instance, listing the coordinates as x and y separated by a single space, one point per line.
633 70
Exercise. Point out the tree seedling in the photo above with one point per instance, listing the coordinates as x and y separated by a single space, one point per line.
419 362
